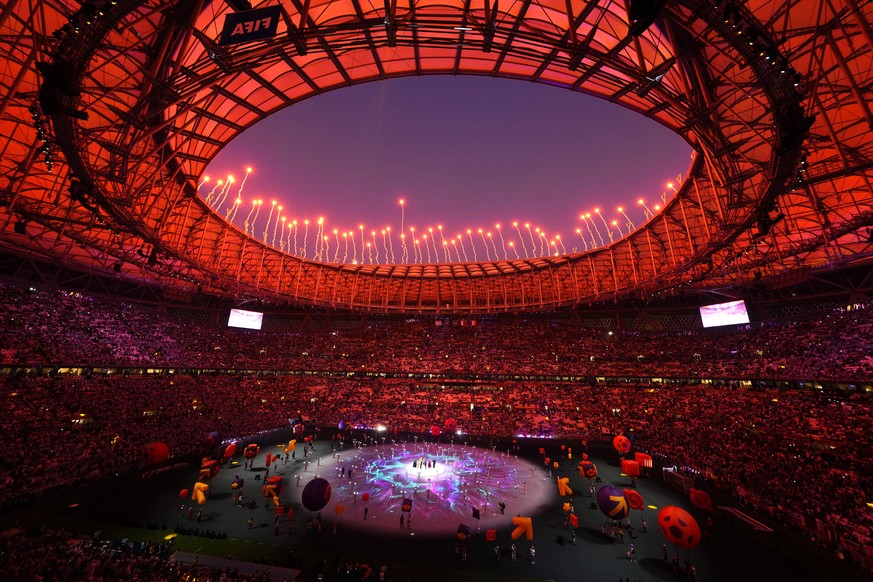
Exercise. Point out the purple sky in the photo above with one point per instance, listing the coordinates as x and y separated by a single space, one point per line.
464 152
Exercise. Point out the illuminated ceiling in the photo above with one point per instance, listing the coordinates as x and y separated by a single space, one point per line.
111 111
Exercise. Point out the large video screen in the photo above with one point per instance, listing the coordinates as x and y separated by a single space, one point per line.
731 313
245 319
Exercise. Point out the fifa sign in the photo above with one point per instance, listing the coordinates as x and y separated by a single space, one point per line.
250 25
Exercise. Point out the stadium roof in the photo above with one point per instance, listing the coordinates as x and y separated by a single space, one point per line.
111 110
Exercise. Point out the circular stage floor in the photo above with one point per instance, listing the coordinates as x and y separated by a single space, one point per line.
444 482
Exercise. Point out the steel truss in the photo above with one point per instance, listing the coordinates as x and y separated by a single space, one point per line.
111 111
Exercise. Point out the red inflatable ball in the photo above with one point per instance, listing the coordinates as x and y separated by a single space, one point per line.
621 443
156 453
230 450
701 499
490 535
183 493
212 440
679 527
365 497
435 430
450 425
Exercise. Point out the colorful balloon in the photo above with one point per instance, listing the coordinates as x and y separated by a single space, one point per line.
679 527
365 497
316 494
701 499
339 509
588 469
435 430
212 440
183 493
449 425
612 502
230 450
156 453
621 443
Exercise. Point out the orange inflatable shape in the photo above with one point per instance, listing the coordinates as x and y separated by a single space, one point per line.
564 486
523 527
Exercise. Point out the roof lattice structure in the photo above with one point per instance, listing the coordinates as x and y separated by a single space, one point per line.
111 110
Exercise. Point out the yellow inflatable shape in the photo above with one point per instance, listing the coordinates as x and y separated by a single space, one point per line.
276 501
566 507
523 526
564 486
199 494
270 491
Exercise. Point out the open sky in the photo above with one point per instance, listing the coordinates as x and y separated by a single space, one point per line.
462 152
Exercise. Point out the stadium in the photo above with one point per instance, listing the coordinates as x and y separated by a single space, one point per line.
121 374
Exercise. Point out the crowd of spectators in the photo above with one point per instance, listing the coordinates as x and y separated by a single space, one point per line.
56 327
800 455
60 556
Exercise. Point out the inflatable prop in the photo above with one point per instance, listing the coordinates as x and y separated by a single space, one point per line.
316 494
630 468
208 470
199 494
643 459
612 502
523 527
621 443
634 499
463 532
156 453
701 499
588 469
679 527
